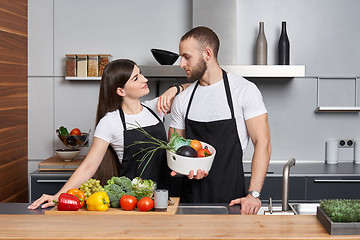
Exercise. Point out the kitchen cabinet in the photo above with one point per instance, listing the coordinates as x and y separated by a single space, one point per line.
273 188
327 187
48 183
52 182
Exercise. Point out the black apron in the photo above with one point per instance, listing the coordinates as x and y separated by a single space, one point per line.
225 181
157 169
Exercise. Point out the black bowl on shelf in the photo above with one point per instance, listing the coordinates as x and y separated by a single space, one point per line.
164 57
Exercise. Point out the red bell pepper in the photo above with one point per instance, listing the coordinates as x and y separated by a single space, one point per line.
68 202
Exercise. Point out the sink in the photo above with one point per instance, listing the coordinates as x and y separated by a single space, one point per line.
276 210
304 208
207 209
202 210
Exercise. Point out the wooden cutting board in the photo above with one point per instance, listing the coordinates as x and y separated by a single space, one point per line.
55 163
117 211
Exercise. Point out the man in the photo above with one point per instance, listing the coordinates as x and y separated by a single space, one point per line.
223 110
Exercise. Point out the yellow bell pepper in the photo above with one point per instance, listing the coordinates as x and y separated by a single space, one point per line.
98 201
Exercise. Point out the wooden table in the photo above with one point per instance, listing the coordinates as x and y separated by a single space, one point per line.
162 227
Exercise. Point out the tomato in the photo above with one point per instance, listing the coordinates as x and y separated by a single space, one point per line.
145 204
196 144
75 131
204 152
128 202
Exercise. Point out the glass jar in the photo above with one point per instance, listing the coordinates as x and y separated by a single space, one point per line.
92 65
70 65
81 65
103 61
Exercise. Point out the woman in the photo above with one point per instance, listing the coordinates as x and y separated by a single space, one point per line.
119 108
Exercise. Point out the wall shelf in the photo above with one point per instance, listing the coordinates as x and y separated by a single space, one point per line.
354 108
174 71
337 109
287 71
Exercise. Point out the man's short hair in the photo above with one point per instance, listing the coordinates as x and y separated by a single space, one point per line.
205 37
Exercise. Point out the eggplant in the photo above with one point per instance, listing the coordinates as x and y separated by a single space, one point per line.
187 151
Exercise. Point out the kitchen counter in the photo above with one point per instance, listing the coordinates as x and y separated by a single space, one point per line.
162 227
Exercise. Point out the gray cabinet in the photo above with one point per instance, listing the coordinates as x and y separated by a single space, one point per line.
324 187
48 183
273 188
51 183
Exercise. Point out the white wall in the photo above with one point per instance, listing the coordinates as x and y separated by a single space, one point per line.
125 29
323 34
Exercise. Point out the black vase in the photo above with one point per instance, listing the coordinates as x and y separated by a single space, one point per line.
284 47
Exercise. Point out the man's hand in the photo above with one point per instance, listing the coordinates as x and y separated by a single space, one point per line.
200 174
249 204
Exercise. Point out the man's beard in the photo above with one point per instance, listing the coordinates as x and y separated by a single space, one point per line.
198 71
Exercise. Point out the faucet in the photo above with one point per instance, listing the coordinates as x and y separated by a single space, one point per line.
285 186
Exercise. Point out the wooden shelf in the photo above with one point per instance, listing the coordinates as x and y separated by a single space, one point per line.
263 71
83 78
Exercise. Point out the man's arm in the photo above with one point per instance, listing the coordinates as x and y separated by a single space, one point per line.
259 132
258 129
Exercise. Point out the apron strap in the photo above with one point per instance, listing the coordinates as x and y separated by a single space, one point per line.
227 91
191 98
157 117
122 116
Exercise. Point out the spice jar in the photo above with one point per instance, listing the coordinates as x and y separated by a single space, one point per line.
81 66
70 65
103 61
92 66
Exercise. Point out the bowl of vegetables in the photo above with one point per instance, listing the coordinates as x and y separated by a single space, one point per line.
75 138
184 159
183 155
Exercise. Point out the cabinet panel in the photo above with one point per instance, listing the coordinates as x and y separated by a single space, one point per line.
273 188
46 184
332 187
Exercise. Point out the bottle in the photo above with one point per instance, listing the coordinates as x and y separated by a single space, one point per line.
284 47
261 46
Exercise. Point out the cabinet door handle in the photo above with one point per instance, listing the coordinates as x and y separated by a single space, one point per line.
337 180
51 181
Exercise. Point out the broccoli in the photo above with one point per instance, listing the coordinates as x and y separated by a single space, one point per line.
116 188
124 183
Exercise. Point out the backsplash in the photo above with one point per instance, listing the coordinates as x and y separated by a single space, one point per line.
296 129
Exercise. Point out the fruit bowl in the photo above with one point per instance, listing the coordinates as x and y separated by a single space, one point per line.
74 140
183 165
67 154
164 57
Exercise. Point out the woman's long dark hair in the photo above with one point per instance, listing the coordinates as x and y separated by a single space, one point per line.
115 75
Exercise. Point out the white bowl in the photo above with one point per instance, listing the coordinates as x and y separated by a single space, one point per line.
67 154
183 165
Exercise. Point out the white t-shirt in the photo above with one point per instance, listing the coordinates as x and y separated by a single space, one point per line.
210 104
111 130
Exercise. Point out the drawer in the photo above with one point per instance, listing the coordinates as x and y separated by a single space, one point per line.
48 185
332 187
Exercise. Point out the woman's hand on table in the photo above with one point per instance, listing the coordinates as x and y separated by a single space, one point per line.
249 204
45 200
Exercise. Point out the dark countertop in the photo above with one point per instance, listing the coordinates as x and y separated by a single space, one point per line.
20 208
309 169
276 169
